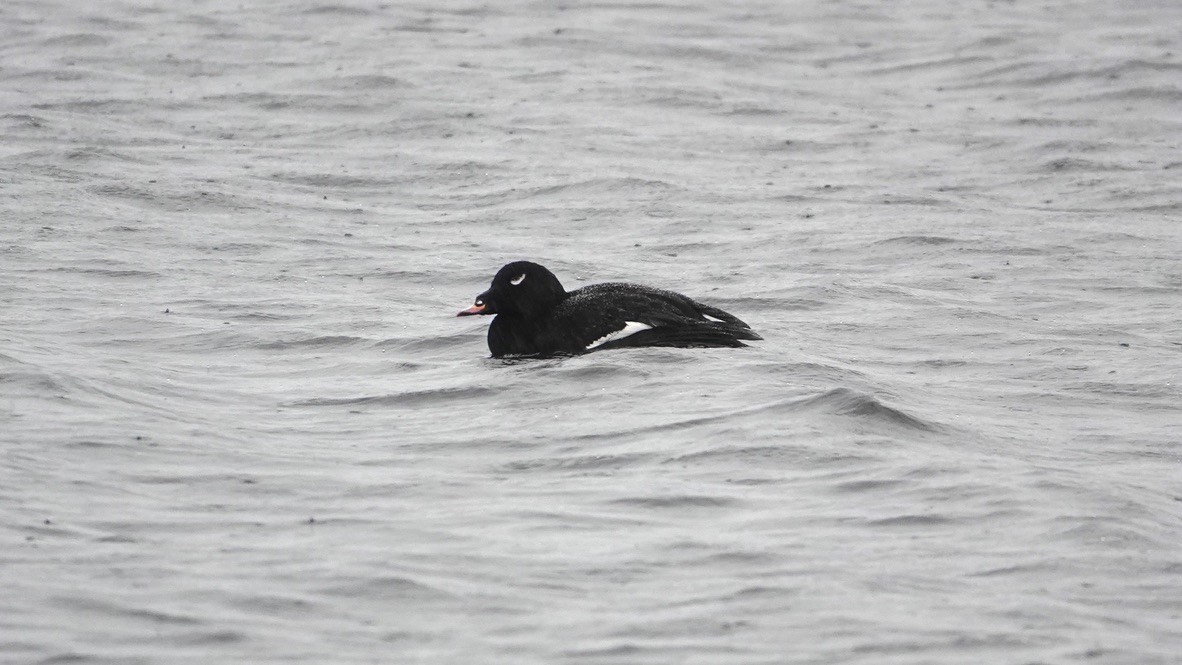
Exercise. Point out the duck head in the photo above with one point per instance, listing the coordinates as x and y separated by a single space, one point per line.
521 288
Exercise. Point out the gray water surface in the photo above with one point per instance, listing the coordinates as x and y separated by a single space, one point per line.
239 421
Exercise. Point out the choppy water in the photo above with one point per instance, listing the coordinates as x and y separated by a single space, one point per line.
240 422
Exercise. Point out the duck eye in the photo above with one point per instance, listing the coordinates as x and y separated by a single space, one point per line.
518 279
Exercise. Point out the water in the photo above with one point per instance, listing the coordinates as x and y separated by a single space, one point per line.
240 422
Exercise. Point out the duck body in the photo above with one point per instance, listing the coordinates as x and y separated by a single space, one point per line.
535 316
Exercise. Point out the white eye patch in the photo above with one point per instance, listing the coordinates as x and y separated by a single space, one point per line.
518 279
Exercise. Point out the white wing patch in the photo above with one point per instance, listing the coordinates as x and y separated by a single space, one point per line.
630 328
712 318
518 279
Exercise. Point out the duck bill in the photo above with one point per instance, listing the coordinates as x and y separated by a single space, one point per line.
473 310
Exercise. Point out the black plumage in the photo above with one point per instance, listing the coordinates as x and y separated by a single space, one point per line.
536 316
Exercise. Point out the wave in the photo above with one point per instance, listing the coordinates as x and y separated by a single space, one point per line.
917 519
88 40
1158 93
275 101
317 342
844 401
362 82
676 501
31 383
473 335
955 63
841 402
389 586
579 462
415 398
1070 164
339 10
105 272
917 240
593 189
333 180
187 200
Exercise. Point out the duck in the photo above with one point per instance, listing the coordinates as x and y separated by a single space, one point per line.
534 316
